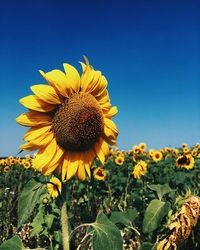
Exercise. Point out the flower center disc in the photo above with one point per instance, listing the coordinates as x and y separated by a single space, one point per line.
78 123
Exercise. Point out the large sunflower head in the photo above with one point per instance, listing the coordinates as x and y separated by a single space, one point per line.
70 121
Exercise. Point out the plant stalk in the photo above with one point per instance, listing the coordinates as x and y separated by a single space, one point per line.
64 223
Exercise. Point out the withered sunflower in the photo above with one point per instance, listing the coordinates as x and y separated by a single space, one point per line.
70 121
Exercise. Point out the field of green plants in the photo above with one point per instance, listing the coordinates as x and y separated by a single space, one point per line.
141 199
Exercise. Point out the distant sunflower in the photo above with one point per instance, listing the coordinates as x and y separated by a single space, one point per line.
100 174
70 121
140 169
157 156
136 149
142 146
26 164
119 160
55 187
185 161
6 169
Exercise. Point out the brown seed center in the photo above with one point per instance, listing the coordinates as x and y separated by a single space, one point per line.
78 123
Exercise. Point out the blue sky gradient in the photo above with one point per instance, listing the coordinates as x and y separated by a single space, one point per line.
149 52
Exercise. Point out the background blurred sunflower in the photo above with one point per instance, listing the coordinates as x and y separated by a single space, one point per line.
70 121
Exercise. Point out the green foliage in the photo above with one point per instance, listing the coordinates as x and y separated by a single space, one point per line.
161 190
154 214
106 235
126 218
28 199
14 243
133 210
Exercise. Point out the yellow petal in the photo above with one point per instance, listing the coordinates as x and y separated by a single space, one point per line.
45 155
81 171
112 112
105 148
35 103
29 147
43 139
47 93
100 86
105 106
99 151
87 168
35 132
34 119
109 140
56 161
87 77
58 80
73 77
72 166
94 80
103 98
38 142
111 125
65 167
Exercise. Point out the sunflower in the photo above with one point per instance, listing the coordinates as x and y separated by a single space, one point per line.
119 160
100 174
142 146
140 169
26 164
157 156
70 121
55 187
6 169
136 149
185 161
186 150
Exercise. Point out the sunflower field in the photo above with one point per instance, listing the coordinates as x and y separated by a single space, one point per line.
141 199
79 191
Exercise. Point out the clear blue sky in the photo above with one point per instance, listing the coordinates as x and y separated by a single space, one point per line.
148 50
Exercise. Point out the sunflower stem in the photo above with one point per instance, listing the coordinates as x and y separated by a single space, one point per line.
64 222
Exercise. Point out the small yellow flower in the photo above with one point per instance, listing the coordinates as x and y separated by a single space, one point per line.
166 149
136 149
157 156
184 145
20 161
55 187
100 174
27 157
142 146
151 152
26 164
194 152
12 161
6 169
119 160
186 150
140 169
185 161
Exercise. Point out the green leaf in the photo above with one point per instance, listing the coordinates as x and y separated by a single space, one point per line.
28 199
148 246
106 235
154 214
161 190
58 236
14 243
126 218
49 220
37 223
